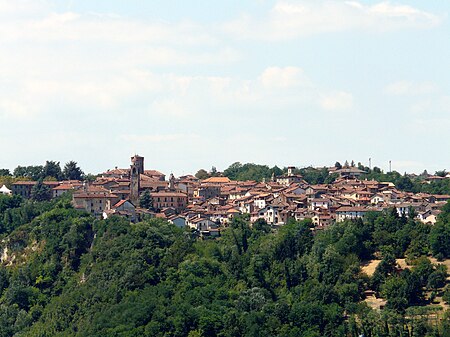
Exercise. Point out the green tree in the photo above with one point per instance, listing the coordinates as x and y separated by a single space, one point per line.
423 268
41 191
440 239
213 172
52 169
72 171
276 171
441 173
261 225
5 172
90 177
437 278
233 171
394 290
202 174
32 172
146 200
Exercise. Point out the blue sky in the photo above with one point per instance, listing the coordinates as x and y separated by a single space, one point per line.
192 84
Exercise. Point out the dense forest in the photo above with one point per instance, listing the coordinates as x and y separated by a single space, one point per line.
64 273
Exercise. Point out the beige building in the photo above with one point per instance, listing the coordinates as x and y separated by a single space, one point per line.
94 200
176 200
23 188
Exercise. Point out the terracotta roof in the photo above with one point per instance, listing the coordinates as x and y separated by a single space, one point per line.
153 173
120 203
27 182
120 191
64 187
221 180
168 194
352 209
232 210
94 196
117 171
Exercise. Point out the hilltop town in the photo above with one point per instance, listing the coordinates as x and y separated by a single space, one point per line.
209 204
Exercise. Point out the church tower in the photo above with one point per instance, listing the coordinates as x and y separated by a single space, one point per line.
136 169
138 161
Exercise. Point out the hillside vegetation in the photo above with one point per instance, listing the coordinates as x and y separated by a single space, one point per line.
63 273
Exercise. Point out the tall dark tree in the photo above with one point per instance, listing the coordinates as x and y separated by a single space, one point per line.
40 191
72 171
213 172
4 173
146 200
52 169
441 173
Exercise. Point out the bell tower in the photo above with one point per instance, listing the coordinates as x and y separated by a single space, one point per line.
136 169
138 161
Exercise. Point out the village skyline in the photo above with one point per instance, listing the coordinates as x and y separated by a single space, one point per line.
389 166
208 201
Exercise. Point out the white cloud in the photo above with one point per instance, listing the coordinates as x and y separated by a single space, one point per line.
410 88
276 77
337 101
70 26
293 19
91 61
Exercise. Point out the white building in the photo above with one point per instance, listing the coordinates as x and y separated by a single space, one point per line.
5 190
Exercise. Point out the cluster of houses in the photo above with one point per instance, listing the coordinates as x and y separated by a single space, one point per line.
210 204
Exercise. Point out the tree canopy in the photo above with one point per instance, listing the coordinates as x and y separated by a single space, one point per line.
65 273
50 171
71 171
250 171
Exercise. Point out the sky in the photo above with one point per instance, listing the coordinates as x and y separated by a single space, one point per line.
195 84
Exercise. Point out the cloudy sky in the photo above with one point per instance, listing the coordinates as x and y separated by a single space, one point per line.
192 84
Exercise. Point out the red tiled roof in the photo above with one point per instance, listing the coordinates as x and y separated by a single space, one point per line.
217 180
94 196
168 194
120 203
